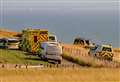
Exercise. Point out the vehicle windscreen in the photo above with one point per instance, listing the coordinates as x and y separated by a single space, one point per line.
51 38
53 50
87 42
12 41
2 42
107 49
94 48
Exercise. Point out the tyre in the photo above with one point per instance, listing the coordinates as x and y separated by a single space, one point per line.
59 61
89 53
44 58
97 55
110 59
39 55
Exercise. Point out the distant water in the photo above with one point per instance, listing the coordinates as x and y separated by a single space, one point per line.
68 34
97 27
94 21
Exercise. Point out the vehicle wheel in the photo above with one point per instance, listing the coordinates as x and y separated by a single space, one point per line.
39 55
97 55
59 61
27 49
44 58
110 59
89 53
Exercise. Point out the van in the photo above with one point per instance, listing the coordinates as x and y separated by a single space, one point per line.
51 51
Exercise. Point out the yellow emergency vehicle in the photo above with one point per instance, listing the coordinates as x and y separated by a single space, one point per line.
32 38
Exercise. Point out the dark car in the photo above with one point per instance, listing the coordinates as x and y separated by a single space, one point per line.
3 43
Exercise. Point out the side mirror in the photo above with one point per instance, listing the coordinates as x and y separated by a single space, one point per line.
41 47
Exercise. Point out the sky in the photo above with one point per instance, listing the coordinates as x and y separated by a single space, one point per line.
97 20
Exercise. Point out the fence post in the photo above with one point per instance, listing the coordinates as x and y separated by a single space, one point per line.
16 66
3 66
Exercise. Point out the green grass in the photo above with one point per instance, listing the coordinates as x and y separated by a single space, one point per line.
18 57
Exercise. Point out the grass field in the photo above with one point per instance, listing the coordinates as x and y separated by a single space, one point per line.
61 75
80 55
18 57
81 74
90 61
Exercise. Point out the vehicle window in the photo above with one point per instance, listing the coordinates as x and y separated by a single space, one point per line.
1 43
35 39
76 41
44 32
42 47
2 40
12 41
82 42
94 48
87 42
51 38
54 44
107 49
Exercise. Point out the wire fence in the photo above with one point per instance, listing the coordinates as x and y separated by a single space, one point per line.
75 50
26 66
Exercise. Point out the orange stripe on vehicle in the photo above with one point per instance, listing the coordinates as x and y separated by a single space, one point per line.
36 44
43 38
46 37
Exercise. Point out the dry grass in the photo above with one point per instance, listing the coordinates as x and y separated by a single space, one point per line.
116 54
80 55
7 33
61 75
116 49
90 61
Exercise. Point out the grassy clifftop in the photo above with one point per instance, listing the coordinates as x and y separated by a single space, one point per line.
7 33
18 57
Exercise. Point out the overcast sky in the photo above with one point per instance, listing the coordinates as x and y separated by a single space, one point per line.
93 19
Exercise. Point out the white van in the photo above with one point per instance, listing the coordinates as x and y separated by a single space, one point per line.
51 51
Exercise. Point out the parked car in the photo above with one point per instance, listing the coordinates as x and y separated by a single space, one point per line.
102 51
51 51
12 43
3 43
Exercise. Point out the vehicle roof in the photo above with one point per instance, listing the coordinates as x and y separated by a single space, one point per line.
8 39
11 39
48 42
44 44
2 38
105 45
36 29
52 35
81 38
